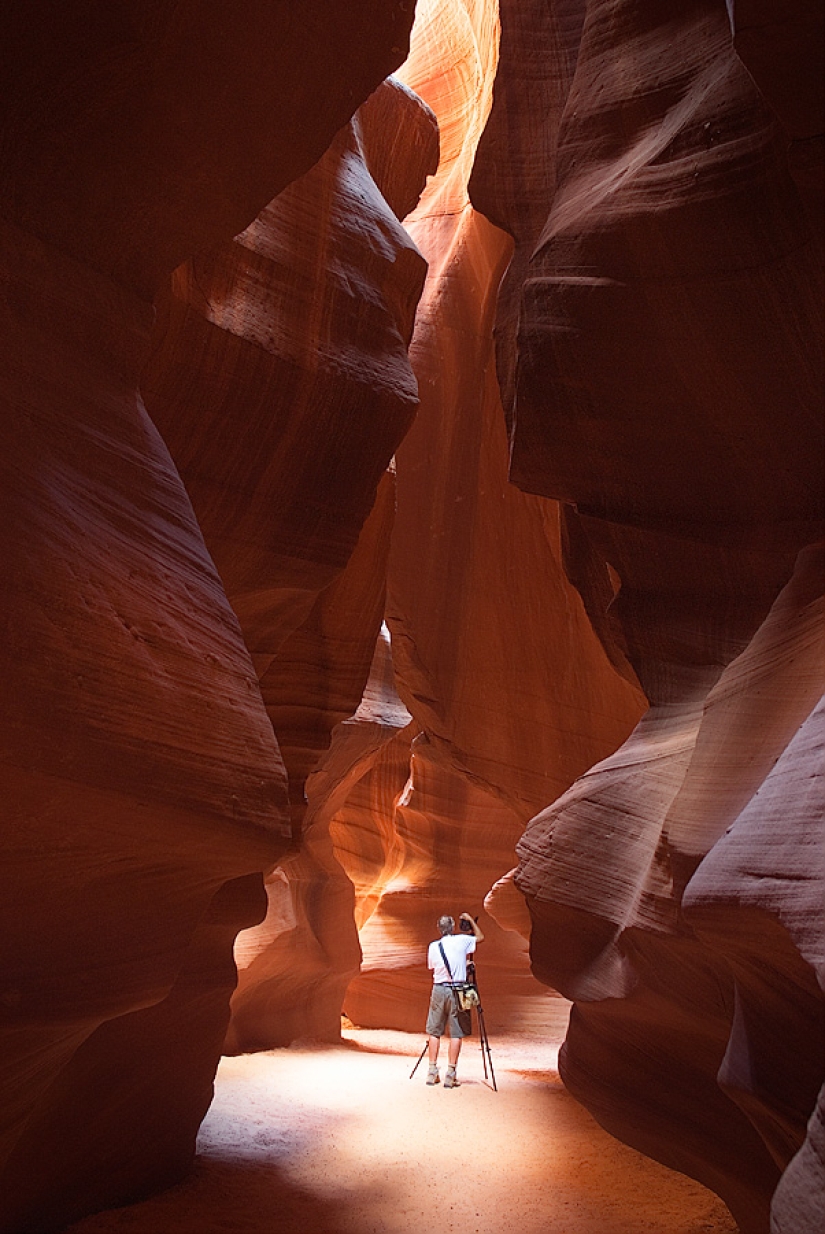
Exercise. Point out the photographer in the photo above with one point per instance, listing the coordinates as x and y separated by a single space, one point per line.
447 957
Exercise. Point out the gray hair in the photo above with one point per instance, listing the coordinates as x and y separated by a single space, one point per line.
446 925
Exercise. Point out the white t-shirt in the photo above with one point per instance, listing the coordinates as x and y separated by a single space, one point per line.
457 947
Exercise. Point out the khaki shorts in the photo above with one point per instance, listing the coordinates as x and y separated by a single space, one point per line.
443 1009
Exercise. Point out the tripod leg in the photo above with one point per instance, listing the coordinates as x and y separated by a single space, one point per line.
481 1040
485 1046
421 1055
492 1073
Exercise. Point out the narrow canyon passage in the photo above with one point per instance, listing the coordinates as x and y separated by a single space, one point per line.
340 1140
411 503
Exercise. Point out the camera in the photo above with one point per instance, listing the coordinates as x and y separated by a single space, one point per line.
465 926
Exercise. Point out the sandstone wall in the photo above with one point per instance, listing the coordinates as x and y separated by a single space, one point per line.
143 790
659 338
203 527
281 383
510 692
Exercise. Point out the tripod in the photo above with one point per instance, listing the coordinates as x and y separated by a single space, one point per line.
486 1056
421 1055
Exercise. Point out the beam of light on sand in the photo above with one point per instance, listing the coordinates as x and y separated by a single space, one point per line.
338 1140
346 1126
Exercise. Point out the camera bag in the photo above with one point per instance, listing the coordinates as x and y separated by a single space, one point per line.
465 993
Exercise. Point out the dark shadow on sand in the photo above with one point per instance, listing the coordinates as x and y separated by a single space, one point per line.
230 1197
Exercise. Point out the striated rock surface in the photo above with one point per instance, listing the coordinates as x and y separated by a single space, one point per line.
294 968
756 899
511 694
660 357
656 979
280 377
143 788
281 382
197 686
139 134
140 774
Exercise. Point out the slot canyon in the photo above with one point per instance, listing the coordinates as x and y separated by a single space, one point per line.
412 502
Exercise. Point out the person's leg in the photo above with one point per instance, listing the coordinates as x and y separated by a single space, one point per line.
460 1027
450 1079
432 1073
436 1022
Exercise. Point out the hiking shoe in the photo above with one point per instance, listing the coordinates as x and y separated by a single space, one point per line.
433 1077
451 1080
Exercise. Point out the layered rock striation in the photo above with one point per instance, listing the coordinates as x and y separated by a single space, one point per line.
278 660
660 350
143 788
510 692
281 382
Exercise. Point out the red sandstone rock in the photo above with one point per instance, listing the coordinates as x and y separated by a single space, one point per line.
144 133
511 694
756 899
140 773
782 47
142 784
281 382
667 385
507 678
294 968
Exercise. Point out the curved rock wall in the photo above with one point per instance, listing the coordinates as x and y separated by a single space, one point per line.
142 786
510 692
198 685
281 383
660 355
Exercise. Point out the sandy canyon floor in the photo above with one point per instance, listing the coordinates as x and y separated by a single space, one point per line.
339 1140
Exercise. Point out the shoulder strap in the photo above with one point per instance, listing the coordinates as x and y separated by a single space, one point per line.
444 958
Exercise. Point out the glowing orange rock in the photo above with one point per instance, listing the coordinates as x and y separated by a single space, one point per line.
511 694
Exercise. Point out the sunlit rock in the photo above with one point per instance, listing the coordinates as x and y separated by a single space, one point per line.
294 967
199 689
281 383
511 693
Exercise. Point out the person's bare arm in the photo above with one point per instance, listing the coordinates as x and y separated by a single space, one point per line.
474 924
